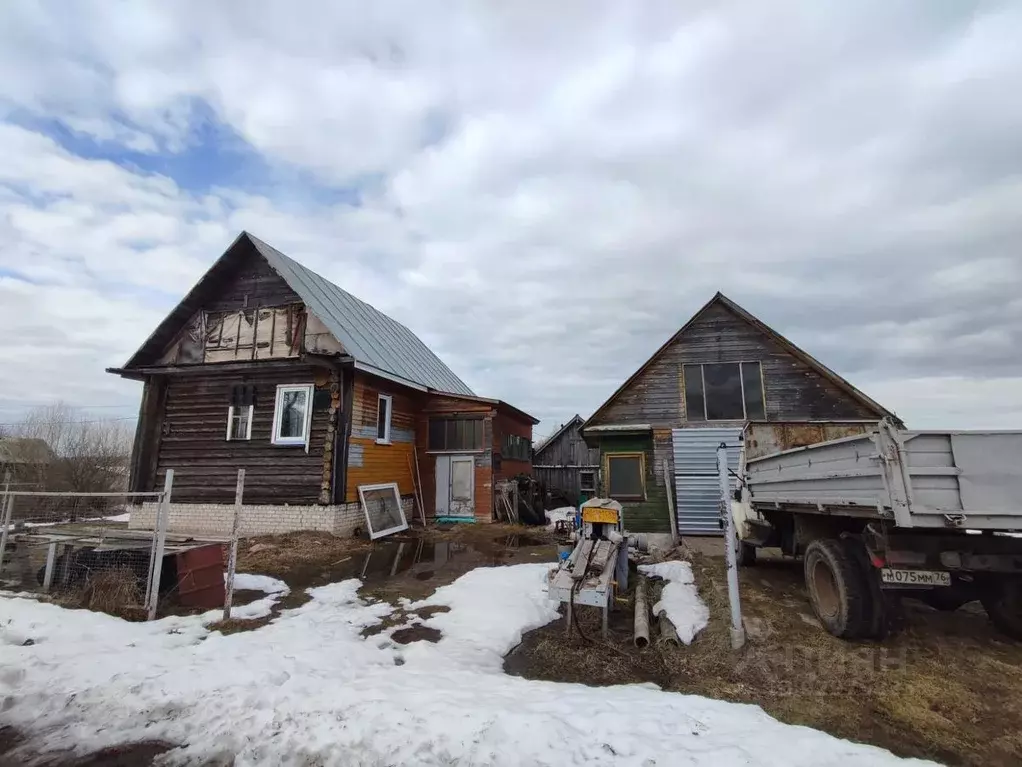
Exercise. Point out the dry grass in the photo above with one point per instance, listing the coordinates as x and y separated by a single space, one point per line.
945 688
117 592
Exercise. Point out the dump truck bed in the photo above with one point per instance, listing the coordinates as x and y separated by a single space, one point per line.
918 479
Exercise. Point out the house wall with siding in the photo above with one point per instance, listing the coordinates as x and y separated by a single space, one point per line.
440 406
559 463
648 515
370 463
794 391
505 424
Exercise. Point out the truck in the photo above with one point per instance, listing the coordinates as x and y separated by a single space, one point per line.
888 513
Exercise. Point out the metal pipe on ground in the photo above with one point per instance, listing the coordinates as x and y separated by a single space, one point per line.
641 637
668 631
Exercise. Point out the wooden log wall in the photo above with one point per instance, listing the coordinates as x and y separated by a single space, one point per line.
192 439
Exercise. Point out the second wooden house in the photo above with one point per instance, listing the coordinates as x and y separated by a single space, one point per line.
267 366
723 370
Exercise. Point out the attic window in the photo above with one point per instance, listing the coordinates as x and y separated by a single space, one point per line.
729 391
239 413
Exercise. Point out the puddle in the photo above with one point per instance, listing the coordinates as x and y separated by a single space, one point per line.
521 541
422 560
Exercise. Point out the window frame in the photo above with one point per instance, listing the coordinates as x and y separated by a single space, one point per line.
581 483
642 475
230 423
430 420
702 381
303 441
389 398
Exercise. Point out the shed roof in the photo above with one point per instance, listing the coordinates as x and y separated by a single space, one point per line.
722 300
575 419
24 450
378 343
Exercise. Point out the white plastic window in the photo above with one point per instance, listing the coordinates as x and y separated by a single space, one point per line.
239 422
292 415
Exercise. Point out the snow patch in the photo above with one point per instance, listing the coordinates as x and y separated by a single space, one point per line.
680 600
309 689
263 583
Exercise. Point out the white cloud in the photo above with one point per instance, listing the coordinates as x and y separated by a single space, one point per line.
547 193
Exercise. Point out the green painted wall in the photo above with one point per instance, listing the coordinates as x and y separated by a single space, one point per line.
648 516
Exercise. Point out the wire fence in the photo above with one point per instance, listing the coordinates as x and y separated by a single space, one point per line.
82 549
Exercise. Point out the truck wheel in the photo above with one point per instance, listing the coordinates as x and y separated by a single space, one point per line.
839 591
1003 602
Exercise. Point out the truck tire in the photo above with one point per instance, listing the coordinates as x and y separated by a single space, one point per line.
1002 599
838 589
877 606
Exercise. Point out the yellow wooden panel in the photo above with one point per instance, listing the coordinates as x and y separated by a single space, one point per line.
595 514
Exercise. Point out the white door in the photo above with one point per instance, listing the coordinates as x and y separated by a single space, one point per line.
443 485
462 486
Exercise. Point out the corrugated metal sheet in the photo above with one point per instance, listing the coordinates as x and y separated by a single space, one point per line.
366 333
696 485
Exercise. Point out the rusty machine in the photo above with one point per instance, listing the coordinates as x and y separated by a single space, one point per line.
597 567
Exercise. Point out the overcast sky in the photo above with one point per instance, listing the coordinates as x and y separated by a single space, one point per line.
543 192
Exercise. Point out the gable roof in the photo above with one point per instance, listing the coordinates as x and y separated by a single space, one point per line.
722 300
576 419
379 344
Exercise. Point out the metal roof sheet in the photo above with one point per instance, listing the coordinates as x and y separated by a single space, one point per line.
366 333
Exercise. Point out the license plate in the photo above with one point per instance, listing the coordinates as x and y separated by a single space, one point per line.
915 577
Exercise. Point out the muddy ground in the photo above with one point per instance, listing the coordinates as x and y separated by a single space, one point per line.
947 687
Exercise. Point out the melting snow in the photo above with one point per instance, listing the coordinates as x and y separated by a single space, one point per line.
308 688
680 599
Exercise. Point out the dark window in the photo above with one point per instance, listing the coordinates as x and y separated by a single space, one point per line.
587 481
383 418
625 480
753 385
515 448
455 433
728 391
695 406
722 388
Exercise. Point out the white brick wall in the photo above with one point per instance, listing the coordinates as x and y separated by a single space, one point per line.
216 518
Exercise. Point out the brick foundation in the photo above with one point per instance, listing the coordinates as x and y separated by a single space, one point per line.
216 518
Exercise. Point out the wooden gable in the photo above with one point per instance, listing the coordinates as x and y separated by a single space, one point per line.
796 387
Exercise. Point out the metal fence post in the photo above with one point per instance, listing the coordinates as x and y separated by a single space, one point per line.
6 511
730 550
160 538
232 557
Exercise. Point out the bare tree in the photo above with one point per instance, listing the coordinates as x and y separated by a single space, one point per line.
88 454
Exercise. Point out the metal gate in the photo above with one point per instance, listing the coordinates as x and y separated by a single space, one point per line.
696 484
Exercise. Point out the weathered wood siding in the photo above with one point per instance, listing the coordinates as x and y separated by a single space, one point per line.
559 463
505 424
437 405
193 430
567 449
794 391
649 515
370 463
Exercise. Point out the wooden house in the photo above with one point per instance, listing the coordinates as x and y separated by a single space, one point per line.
267 366
566 465
722 369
